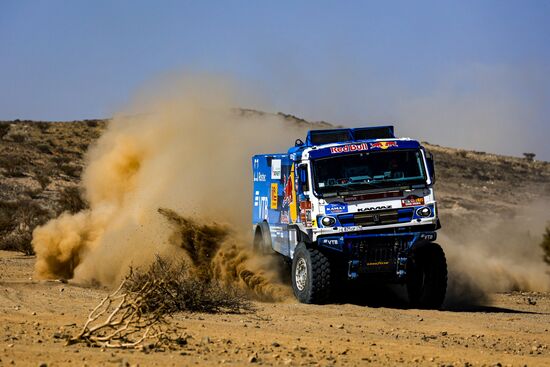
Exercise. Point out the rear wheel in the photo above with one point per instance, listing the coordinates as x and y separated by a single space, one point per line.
310 275
427 276
262 239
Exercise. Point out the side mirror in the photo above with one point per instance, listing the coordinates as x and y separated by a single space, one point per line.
431 167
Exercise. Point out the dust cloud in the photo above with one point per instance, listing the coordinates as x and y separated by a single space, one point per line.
185 148
488 255
188 150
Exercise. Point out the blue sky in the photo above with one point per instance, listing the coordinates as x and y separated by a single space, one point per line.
472 74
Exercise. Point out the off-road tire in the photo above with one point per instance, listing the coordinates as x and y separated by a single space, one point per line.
427 276
315 286
262 239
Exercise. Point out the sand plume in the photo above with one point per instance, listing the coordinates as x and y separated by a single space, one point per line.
188 150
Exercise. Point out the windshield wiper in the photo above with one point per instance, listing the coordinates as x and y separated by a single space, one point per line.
364 183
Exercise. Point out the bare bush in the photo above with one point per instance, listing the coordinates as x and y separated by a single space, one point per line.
42 126
43 176
545 244
13 165
4 129
44 148
7 219
71 170
18 138
17 221
124 320
92 123
136 314
71 200
186 291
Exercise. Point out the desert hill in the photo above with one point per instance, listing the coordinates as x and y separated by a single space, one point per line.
41 163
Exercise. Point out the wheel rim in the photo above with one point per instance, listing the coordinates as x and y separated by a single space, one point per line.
301 274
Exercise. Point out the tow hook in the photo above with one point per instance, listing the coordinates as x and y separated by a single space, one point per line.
353 267
401 265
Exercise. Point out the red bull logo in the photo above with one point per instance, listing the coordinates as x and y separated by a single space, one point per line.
383 144
349 148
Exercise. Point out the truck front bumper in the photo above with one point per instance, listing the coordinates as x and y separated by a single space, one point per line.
374 253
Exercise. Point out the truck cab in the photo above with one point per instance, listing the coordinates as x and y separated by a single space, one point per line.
349 204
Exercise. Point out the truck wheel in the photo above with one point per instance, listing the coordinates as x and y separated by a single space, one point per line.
262 239
427 276
310 275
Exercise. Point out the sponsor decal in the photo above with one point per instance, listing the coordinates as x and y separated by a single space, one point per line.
378 263
305 213
288 197
274 192
336 208
381 207
349 148
259 176
383 145
284 217
262 209
412 200
350 229
276 169
332 242
428 236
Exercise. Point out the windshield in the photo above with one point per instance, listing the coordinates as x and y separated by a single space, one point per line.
368 170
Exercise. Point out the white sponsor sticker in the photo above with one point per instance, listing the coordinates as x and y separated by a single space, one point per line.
276 169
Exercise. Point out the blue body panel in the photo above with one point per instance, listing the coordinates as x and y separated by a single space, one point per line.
271 174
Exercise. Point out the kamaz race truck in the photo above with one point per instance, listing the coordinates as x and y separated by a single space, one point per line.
351 204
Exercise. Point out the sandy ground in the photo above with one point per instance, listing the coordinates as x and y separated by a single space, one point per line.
513 330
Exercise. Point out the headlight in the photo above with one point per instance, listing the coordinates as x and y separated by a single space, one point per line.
328 221
424 211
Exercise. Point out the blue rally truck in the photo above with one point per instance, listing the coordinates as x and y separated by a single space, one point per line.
351 204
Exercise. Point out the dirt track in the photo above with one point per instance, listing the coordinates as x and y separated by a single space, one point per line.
512 331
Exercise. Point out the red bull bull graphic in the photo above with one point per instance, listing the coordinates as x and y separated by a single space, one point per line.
383 145
288 197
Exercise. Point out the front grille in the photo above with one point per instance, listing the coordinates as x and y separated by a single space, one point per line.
377 254
377 217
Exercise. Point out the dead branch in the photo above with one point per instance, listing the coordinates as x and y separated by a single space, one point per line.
123 320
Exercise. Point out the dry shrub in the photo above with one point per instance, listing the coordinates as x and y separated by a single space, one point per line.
17 221
136 314
4 129
185 291
18 138
61 159
71 200
71 170
42 126
92 123
7 219
44 148
545 245
13 165
43 176
124 320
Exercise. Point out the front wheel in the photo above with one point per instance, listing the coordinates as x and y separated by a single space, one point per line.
310 275
427 276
